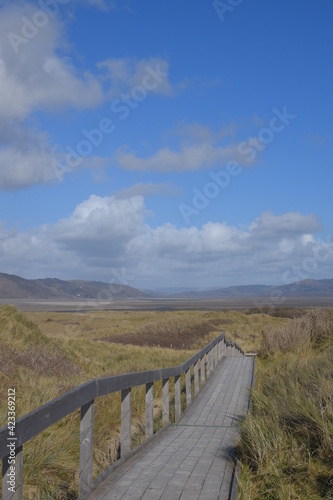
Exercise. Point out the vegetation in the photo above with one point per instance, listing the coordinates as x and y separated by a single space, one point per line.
44 355
41 367
286 445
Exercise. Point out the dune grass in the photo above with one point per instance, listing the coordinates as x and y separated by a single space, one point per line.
42 367
286 444
44 355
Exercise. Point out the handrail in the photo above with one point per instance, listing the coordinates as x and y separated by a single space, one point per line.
83 396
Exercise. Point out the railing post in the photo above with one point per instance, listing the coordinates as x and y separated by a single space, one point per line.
208 363
202 370
178 408
19 473
196 378
188 386
86 447
165 401
125 425
6 493
215 352
149 409
221 349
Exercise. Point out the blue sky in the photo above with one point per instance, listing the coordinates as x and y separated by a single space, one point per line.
173 143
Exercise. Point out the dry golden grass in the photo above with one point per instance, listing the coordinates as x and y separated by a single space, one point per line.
286 445
44 355
194 329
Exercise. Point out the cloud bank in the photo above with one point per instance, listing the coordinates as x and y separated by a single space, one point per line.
112 233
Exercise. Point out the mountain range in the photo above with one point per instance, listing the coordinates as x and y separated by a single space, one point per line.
15 287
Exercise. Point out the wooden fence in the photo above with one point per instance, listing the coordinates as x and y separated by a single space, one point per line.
83 397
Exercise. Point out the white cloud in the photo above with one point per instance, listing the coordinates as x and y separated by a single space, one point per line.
101 226
124 74
290 223
199 133
36 74
19 168
149 189
199 147
187 158
112 233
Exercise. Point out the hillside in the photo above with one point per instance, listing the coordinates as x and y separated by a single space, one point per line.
15 287
305 288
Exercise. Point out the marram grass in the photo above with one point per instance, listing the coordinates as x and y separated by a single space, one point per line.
44 355
286 443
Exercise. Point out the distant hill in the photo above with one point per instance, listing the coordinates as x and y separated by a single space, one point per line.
15 287
305 288
232 291
309 288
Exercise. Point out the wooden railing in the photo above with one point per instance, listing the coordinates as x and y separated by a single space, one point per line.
83 397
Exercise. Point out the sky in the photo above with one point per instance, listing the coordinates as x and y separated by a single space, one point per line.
166 144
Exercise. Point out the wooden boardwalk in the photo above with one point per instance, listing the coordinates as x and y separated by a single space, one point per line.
193 459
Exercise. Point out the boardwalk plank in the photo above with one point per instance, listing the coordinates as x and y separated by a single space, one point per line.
191 460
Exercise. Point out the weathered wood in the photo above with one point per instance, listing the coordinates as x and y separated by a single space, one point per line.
188 386
178 408
196 378
38 420
149 409
125 426
208 364
7 494
117 383
83 397
190 460
165 401
19 474
202 370
12 483
86 447
221 345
